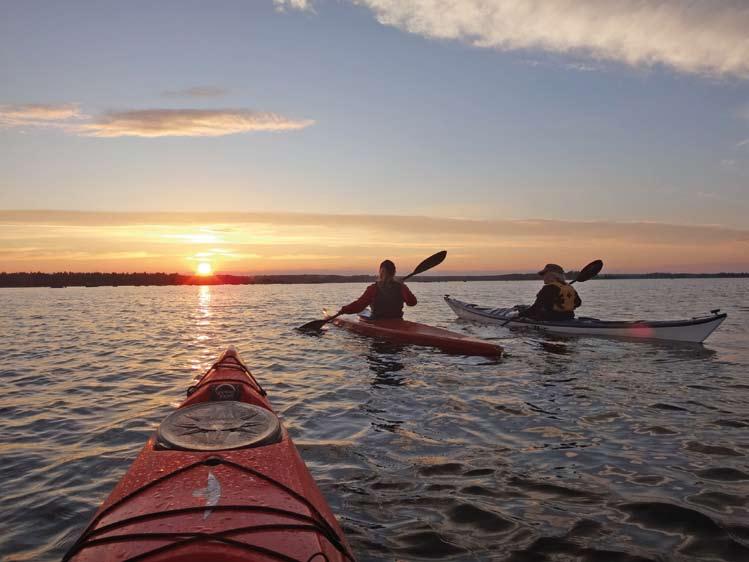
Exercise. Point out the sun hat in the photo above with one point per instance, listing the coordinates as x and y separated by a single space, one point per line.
552 268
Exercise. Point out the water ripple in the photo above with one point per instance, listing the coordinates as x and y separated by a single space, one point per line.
565 449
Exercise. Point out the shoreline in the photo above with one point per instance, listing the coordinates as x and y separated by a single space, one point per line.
69 279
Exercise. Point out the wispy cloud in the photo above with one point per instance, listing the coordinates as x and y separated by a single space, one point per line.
38 115
708 195
583 67
189 123
700 36
228 223
196 92
149 122
304 5
307 242
737 161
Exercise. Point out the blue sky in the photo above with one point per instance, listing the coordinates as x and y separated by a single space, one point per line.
607 111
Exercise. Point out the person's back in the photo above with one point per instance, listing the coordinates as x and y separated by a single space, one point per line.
556 300
385 298
388 301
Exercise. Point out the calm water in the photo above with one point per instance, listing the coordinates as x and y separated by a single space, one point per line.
566 449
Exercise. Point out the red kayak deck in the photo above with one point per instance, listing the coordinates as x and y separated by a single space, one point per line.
254 502
403 331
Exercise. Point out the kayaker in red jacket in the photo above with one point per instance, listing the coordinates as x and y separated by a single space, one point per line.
386 297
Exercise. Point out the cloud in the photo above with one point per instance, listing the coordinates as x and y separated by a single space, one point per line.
699 36
708 195
148 122
188 123
196 92
737 161
305 242
191 227
583 67
283 5
38 115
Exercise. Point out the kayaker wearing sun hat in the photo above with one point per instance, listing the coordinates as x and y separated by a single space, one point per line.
386 297
556 300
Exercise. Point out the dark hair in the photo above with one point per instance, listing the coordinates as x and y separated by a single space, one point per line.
388 266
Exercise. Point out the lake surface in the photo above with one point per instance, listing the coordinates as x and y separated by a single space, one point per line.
565 449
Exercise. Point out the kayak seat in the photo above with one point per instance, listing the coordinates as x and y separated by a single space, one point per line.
217 426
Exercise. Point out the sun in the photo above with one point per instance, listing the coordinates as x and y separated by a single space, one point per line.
204 268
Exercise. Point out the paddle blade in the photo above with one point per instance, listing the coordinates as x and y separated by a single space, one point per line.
316 325
589 271
429 263
313 326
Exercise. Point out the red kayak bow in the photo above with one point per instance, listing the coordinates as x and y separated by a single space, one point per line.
222 481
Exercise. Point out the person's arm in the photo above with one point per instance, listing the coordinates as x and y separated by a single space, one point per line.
362 302
408 296
544 301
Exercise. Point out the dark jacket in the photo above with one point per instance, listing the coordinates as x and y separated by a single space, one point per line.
386 302
543 308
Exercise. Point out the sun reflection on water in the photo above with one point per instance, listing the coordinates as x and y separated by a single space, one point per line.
202 318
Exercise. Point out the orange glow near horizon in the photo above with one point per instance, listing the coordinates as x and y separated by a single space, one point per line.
287 243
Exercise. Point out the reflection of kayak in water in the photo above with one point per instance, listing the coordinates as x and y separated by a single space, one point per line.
692 330
220 481
403 331
383 359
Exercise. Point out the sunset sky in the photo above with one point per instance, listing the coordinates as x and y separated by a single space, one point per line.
326 135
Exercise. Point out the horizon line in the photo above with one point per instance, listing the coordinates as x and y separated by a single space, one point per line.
369 275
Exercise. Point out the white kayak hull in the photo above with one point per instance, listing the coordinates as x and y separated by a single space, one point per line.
693 330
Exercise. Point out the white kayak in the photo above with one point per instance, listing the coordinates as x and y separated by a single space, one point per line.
695 329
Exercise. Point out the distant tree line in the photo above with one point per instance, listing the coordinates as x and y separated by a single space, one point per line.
725 275
98 279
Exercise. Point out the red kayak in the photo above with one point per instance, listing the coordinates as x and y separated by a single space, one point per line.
403 331
220 481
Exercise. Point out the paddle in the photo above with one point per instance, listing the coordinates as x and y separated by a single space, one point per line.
429 263
586 273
